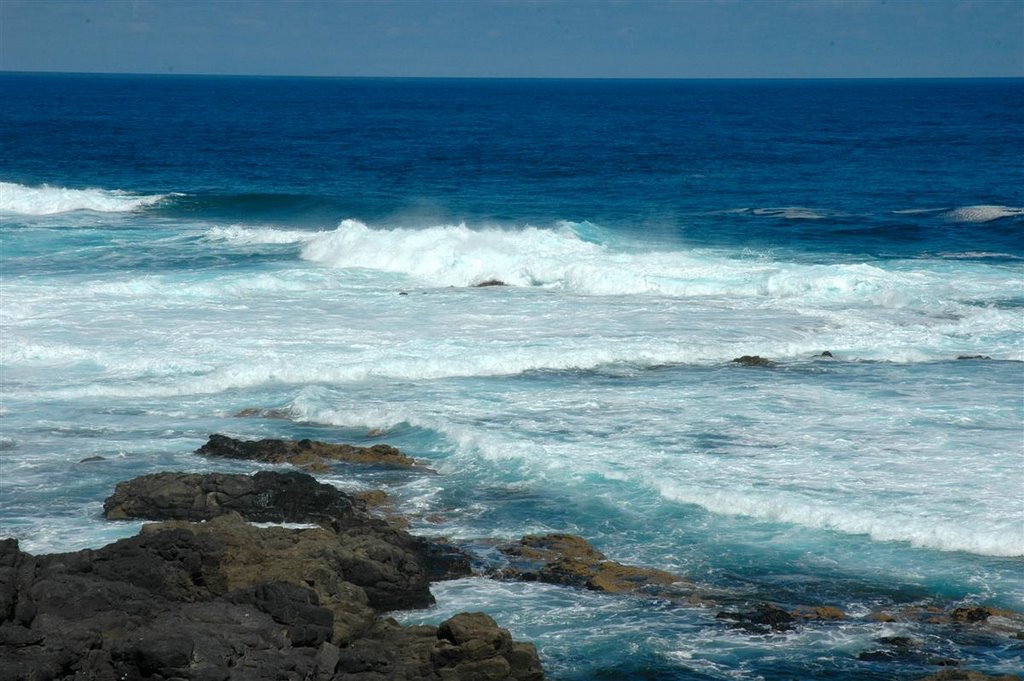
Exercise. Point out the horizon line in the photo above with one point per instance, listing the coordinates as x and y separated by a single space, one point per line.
174 74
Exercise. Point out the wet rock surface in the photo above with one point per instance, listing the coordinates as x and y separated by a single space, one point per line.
224 599
967 675
264 497
310 454
571 561
754 361
392 565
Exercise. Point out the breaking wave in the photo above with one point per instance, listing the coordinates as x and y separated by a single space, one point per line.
921 532
455 255
47 200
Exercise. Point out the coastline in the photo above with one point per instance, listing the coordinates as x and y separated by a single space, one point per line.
275 575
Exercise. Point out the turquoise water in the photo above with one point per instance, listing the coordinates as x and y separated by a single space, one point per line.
175 250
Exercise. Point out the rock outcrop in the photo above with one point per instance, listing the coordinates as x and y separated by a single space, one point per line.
310 454
570 560
229 601
754 361
392 565
264 497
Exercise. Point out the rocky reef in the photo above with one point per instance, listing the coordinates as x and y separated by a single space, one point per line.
571 561
205 593
226 600
309 454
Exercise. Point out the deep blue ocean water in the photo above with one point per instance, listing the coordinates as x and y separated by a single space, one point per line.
176 249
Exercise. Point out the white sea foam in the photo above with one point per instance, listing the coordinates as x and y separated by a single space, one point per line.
455 255
983 213
47 200
239 235
890 525
16 351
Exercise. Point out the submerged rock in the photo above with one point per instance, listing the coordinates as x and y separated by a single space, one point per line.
765 617
754 361
818 612
257 412
304 453
570 560
967 675
995 619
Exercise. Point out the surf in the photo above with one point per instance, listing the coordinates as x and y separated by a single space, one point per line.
49 200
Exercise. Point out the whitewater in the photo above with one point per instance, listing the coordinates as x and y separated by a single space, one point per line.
873 459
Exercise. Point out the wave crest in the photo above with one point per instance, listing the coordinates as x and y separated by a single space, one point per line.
975 214
922 532
47 200
455 255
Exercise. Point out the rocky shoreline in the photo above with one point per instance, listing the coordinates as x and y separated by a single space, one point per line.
204 593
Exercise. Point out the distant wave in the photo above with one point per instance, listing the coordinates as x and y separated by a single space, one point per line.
982 213
919 211
47 200
979 255
785 212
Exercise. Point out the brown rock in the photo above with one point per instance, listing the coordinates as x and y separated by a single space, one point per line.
967 675
570 560
820 612
257 412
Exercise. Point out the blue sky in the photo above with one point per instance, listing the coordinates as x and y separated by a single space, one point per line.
519 38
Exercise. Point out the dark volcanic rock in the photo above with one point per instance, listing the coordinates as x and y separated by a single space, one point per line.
765 617
754 361
570 560
305 453
392 566
229 601
467 646
264 497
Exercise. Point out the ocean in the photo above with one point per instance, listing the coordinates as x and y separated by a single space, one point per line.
178 249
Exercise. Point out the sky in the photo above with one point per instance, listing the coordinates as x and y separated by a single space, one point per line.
519 38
